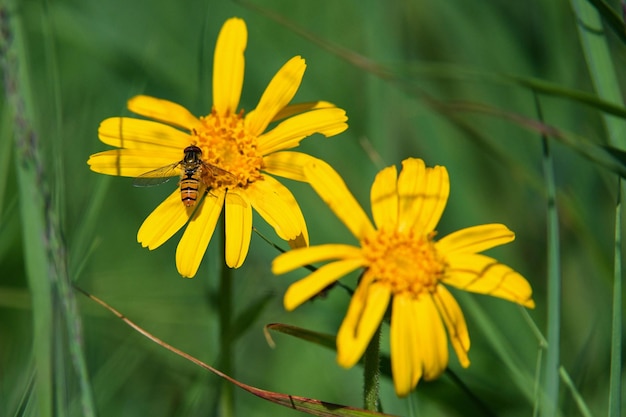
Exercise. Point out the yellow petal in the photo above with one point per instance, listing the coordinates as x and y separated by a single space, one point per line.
129 133
165 111
333 190
433 197
294 109
275 203
410 192
437 192
163 222
454 320
296 258
475 239
423 194
431 337
195 240
238 217
287 164
484 275
289 133
384 198
365 313
276 96
131 162
228 65
406 365
306 288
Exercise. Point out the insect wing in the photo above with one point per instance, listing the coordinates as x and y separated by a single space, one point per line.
157 176
214 171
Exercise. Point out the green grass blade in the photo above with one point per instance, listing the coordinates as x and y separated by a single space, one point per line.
56 323
612 19
615 386
600 66
549 405
601 69
12 62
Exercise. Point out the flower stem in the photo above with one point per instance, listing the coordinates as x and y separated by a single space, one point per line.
227 403
371 373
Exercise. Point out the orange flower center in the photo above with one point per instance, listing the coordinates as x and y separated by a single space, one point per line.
405 261
227 145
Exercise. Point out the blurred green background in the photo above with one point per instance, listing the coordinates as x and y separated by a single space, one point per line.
82 59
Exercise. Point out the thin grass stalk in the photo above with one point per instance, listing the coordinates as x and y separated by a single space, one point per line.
550 401
578 398
615 385
227 401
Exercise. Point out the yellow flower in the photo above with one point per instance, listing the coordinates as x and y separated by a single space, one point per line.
405 266
239 152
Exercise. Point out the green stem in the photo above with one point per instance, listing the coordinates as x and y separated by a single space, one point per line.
371 373
227 404
615 376
549 405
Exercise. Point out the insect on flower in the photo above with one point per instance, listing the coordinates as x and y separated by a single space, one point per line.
192 171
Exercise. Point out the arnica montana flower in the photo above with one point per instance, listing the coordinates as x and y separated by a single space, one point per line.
240 147
403 266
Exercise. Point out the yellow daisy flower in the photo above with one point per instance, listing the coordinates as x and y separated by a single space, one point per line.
226 156
405 266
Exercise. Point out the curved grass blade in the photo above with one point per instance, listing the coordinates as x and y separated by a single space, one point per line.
602 155
307 405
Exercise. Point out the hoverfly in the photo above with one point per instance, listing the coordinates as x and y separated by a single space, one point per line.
191 169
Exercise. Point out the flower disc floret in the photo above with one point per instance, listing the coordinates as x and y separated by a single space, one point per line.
227 144
408 263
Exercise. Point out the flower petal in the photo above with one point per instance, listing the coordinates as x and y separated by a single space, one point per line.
384 198
294 109
431 337
364 315
289 133
277 95
454 320
423 194
406 364
475 239
296 258
410 192
435 198
238 217
275 203
287 164
131 162
333 190
129 133
228 65
163 222
306 288
484 275
195 240
165 111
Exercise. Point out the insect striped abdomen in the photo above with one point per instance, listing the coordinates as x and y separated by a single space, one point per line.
189 187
